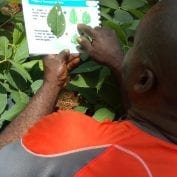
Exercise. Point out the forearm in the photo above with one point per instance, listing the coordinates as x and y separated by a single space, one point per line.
41 104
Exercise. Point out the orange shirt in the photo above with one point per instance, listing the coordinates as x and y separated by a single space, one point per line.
129 151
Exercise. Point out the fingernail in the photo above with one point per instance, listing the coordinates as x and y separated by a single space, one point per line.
66 50
79 39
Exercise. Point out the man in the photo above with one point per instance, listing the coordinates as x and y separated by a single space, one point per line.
70 144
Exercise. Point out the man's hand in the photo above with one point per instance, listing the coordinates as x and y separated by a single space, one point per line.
103 46
57 67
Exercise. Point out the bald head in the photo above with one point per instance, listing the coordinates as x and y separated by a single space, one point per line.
155 45
151 70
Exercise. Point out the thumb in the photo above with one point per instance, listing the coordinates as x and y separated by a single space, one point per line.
86 44
64 54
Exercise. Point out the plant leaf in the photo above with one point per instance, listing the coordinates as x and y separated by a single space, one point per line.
10 81
136 13
89 66
122 16
20 69
79 81
90 94
15 1
106 16
21 53
133 4
82 109
5 50
56 21
3 3
134 25
104 73
30 64
113 4
119 31
18 33
36 85
11 113
19 17
2 76
20 97
3 98
103 114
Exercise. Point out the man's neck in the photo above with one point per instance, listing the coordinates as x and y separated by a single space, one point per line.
161 125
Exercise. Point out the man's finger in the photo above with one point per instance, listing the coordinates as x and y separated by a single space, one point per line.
64 54
74 55
72 64
85 30
85 44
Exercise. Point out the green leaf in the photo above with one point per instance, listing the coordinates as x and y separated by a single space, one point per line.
18 33
90 94
110 93
3 3
106 16
122 16
11 113
19 17
113 4
105 10
82 109
56 21
16 80
30 64
86 18
20 97
103 114
5 50
36 85
20 69
104 73
3 98
21 53
79 81
6 86
136 13
89 66
91 78
133 4
2 77
15 1
119 31
10 81
134 25
73 17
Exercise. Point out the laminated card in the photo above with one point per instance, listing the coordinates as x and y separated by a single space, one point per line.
51 25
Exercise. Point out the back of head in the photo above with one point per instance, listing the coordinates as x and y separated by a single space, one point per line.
156 46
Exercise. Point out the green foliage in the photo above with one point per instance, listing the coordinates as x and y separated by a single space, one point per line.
20 75
96 83
16 82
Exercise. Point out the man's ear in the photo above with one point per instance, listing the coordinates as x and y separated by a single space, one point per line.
145 81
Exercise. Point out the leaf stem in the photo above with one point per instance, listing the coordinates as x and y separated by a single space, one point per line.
1 25
3 61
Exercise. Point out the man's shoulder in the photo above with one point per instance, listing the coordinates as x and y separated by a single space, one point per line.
65 131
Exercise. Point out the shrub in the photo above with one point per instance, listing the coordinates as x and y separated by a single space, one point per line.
21 75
